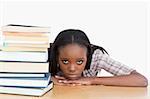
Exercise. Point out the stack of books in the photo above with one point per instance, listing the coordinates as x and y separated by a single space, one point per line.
24 66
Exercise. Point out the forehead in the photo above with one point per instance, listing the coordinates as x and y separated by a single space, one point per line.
72 50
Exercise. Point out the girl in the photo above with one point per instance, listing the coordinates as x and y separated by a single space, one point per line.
75 61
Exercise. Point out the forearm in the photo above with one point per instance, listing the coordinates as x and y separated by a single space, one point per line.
134 79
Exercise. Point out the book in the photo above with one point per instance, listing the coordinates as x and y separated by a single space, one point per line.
24 56
15 74
26 91
24 28
27 42
26 81
29 49
27 34
24 67
18 44
24 38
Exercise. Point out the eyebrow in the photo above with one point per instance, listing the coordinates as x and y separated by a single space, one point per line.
63 58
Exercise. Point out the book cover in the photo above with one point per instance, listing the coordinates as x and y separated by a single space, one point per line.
26 91
18 44
25 81
28 49
24 67
24 38
24 28
27 42
16 74
27 34
24 56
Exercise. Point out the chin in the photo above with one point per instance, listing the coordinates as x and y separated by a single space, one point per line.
72 77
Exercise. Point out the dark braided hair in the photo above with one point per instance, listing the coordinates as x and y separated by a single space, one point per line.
67 37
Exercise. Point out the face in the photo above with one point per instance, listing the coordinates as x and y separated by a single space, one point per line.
72 59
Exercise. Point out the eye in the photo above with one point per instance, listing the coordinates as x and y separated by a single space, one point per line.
65 61
79 62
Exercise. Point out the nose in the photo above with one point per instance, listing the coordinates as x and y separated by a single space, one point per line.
72 68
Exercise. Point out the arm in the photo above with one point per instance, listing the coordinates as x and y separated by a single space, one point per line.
134 80
123 75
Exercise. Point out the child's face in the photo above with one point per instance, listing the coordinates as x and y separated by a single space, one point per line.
72 59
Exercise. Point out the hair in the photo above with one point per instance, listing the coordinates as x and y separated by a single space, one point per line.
70 36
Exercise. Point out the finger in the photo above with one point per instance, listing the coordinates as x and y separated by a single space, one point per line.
70 84
60 84
69 81
79 84
74 84
59 77
65 84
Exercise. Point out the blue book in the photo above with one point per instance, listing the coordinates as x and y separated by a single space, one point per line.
26 81
26 91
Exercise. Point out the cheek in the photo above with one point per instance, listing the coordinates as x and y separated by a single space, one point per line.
62 66
82 67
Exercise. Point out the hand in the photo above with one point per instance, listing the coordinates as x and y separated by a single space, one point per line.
80 81
58 80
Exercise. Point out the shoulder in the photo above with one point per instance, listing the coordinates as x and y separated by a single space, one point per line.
101 49
97 53
99 57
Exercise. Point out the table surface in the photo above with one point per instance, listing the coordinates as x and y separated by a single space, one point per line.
89 92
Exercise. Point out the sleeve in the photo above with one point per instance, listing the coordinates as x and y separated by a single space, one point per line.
103 61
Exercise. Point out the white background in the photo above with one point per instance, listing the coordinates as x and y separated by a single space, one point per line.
121 27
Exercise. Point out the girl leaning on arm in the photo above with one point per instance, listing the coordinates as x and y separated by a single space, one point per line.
75 61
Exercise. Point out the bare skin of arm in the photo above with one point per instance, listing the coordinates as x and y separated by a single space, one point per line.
134 79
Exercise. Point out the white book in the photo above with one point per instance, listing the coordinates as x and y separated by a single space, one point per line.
24 67
22 74
22 49
18 44
26 42
26 82
25 28
26 91
24 56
